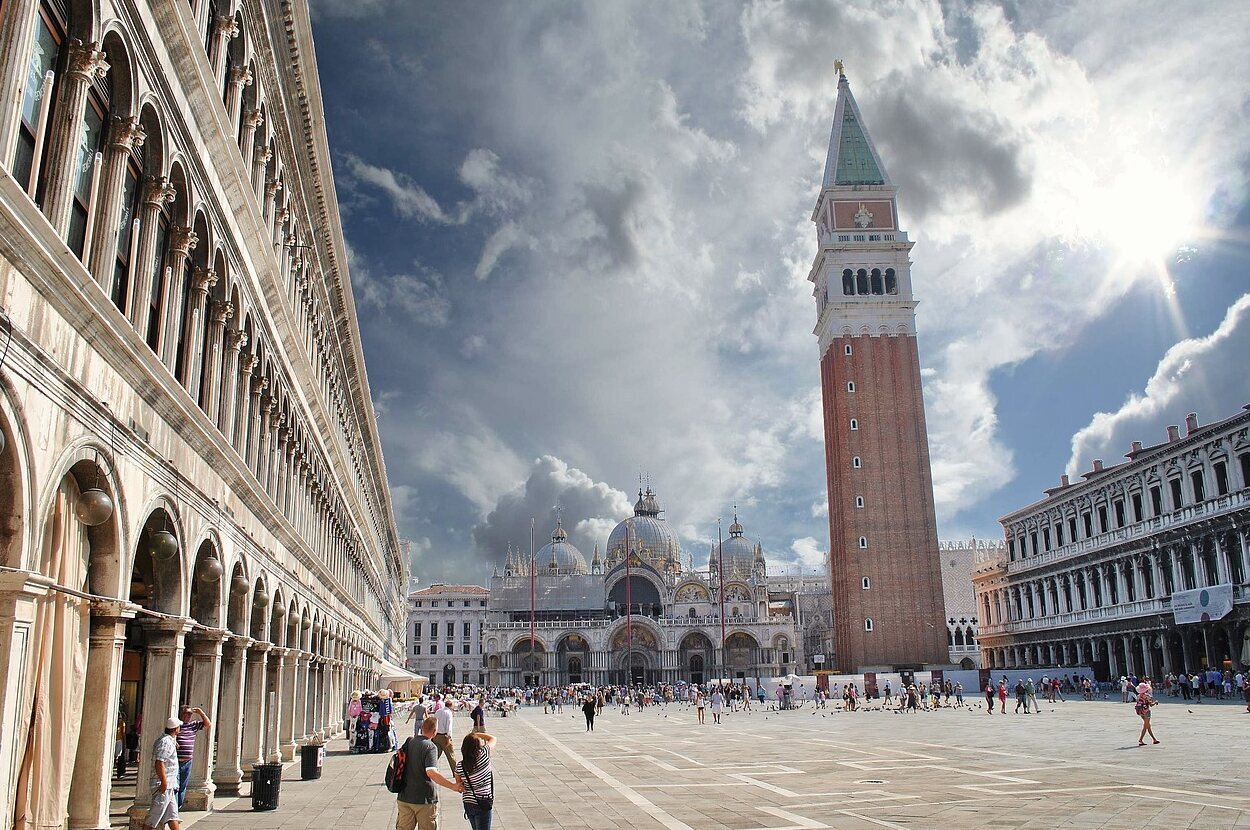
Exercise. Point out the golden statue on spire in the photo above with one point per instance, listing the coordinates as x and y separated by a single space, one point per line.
837 67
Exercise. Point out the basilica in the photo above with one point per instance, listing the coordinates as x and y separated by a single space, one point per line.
641 613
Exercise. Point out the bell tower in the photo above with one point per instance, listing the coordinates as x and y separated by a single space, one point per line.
883 550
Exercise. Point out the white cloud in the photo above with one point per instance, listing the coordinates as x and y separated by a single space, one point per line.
1202 374
407 197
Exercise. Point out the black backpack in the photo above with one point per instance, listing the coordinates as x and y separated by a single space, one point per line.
397 769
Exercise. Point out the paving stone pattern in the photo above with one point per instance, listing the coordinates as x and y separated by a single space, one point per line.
1075 764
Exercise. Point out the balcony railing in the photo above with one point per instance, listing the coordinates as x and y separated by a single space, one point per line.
1124 610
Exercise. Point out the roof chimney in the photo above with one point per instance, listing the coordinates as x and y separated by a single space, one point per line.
1098 465
1063 480
1191 423
1136 446
1174 433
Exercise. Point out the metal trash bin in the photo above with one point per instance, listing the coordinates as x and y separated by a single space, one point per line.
311 757
266 784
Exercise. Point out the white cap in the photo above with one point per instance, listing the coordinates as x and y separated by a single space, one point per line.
173 723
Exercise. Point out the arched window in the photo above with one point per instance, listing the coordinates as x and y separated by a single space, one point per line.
846 350
861 281
891 281
856 463
868 623
37 94
859 501
865 583
850 386
877 287
692 614
959 636
950 638
863 542
854 424
848 282
87 160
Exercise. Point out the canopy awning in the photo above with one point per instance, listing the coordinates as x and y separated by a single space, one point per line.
390 673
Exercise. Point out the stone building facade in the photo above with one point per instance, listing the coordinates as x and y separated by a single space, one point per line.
1103 571
960 557
885 576
444 639
674 631
193 504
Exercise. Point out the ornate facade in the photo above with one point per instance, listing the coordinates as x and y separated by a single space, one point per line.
1091 574
582 633
193 504
884 571
444 639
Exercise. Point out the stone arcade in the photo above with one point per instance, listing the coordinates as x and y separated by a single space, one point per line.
193 506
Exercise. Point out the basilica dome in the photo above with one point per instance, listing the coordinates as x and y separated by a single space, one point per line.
561 553
648 534
737 554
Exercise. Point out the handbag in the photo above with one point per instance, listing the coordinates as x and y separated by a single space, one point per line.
484 804
397 769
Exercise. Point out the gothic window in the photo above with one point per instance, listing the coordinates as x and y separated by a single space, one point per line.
861 281
854 425
36 115
848 282
868 623
877 286
856 463
891 281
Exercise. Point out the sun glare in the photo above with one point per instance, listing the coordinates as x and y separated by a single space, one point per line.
1144 213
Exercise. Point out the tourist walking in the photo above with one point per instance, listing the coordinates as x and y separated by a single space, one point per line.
417 801
1002 695
588 709
1021 698
700 703
1145 700
1030 692
186 746
443 729
417 713
477 779
989 697
164 809
959 693
718 704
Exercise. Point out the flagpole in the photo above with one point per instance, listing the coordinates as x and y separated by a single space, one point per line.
532 594
629 613
720 568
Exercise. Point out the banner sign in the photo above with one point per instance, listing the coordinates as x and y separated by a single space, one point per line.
1202 604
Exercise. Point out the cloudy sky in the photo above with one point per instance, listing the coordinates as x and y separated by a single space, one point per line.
581 232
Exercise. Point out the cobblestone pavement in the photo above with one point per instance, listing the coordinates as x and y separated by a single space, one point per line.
1075 764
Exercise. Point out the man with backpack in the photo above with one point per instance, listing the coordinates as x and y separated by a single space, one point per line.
412 776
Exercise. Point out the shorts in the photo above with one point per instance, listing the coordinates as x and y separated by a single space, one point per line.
164 808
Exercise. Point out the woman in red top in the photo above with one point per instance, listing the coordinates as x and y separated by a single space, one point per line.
1002 694
1144 701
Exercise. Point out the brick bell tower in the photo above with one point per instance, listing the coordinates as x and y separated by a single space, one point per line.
883 549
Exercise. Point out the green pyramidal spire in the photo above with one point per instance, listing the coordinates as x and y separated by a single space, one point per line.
852 158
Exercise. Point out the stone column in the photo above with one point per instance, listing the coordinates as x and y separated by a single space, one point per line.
259 163
254 707
64 131
264 441
1186 654
225 28
300 706
1243 542
1223 574
251 120
236 339
249 433
240 76
290 687
274 686
17 29
125 136
272 186
192 328
93 762
162 680
228 774
204 652
1113 663
248 399
1147 643
1127 642
209 363
181 242
156 192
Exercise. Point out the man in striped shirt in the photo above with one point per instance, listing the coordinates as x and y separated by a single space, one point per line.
186 745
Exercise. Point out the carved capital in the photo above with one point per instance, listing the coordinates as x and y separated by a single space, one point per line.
182 242
248 365
219 312
240 76
282 215
126 134
226 27
157 191
253 119
259 384
86 61
236 339
202 279
272 186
